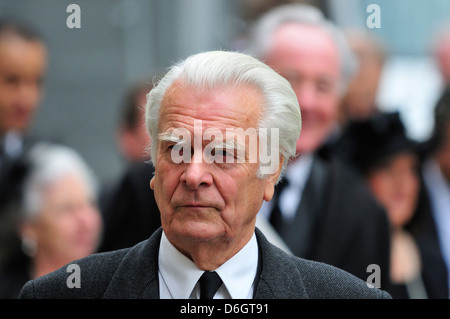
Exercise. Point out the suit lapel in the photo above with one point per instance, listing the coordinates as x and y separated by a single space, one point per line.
137 275
280 278
299 234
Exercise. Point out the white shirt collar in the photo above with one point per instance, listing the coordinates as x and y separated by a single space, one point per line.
178 275
238 273
13 144
297 172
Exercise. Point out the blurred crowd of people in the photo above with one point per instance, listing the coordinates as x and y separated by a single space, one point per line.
360 192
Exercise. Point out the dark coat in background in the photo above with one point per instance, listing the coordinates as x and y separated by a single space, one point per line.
339 222
129 210
423 229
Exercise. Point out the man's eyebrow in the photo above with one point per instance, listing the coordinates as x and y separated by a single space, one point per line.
226 144
230 143
170 137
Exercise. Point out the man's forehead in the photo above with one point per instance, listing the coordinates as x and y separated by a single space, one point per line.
216 108
305 39
297 49
180 91
19 53
295 29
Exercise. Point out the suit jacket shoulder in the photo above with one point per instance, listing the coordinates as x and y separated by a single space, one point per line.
126 273
286 276
364 237
129 209
96 272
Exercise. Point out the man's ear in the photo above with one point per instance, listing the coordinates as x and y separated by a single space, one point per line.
152 183
27 230
271 180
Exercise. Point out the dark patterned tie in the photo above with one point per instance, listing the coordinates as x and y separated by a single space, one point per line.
276 217
209 283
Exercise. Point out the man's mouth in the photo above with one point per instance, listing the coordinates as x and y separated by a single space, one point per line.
195 205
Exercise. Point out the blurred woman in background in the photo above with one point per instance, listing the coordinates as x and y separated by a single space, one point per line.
389 161
59 220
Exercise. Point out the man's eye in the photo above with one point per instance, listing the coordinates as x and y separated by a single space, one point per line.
228 156
12 80
222 152
175 148
324 86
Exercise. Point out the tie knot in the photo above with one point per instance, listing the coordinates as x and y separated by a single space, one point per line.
209 283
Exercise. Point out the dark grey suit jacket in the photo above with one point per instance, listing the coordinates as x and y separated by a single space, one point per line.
132 273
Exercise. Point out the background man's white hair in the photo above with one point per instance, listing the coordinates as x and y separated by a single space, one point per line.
48 163
261 35
217 69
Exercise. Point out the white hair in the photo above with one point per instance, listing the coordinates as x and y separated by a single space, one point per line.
261 35
48 163
215 69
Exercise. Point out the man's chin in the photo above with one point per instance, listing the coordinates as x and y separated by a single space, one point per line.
199 231
308 145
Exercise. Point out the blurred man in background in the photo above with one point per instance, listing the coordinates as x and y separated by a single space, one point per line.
324 213
23 64
128 206
132 136
434 222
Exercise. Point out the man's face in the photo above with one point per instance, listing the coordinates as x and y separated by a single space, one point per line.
309 60
22 68
134 141
202 201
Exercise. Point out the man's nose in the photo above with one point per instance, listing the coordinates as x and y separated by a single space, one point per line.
197 175
28 94
87 215
307 96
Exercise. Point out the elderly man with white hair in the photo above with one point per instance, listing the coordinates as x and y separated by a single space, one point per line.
209 186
